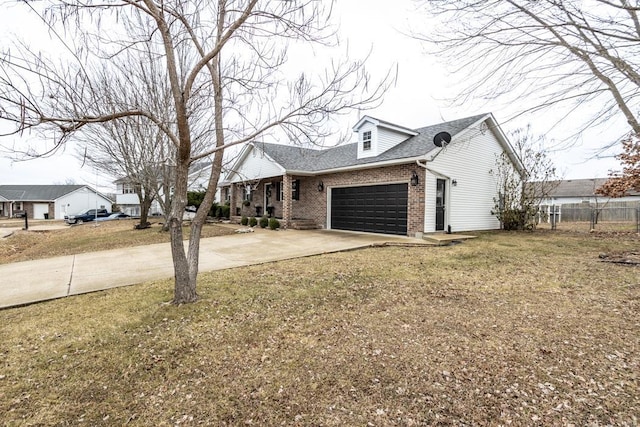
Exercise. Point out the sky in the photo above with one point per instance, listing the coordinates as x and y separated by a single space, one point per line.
415 100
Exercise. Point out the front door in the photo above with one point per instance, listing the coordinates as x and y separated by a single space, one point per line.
440 204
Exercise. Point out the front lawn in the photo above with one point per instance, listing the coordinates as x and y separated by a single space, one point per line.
88 237
508 328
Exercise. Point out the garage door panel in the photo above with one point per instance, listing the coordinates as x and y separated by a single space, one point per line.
375 208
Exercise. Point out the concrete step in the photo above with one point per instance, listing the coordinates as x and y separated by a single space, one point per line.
303 224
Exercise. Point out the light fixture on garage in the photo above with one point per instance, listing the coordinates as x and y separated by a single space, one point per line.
454 182
414 179
321 186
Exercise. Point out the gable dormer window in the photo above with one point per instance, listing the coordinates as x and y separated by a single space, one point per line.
366 140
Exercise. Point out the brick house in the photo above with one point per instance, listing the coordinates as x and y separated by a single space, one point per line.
49 201
393 180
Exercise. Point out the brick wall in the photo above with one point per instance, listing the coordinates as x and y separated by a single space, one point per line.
313 203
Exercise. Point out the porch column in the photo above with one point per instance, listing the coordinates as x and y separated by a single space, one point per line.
287 205
233 200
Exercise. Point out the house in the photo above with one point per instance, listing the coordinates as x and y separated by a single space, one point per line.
393 180
128 201
49 201
127 197
576 198
581 191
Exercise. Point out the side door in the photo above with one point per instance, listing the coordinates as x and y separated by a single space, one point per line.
440 203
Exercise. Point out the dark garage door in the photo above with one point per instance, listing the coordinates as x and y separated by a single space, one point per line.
373 208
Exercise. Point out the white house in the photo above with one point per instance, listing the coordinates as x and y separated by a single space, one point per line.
49 201
128 201
574 199
393 180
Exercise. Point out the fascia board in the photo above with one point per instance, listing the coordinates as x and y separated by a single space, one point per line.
233 175
393 162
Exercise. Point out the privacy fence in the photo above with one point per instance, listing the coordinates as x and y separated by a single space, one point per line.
622 216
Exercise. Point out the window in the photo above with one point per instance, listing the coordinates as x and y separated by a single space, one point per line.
366 140
248 192
128 189
295 190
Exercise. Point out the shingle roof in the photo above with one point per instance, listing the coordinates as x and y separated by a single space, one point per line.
312 160
36 192
579 188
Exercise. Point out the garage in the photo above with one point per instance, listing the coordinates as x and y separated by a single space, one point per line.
40 210
371 208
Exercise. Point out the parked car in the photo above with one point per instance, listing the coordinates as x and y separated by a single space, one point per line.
86 215
115 216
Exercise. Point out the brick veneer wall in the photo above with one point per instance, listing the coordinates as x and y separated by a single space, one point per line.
313 204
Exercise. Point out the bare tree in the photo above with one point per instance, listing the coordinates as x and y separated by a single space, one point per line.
226 54
134 148
521 191
544 52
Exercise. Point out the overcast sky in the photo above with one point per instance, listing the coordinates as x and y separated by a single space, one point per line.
415 100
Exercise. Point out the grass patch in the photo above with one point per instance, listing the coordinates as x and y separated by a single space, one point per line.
29 245
520 328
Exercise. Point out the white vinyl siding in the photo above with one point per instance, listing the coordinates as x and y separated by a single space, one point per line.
83 198
255 166
373 151
388 139
469 162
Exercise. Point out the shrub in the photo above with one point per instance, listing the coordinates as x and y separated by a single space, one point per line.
223 211
253 221
244 220
274 223
264 222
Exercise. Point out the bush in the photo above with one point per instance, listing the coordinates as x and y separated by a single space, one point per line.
274 223
223 211
264 222
253 221
244 220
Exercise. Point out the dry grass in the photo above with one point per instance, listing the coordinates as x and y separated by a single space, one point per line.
600 227
521 329
29 245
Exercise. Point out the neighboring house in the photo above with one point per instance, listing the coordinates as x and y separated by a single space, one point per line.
581 191
578 197
394 180
49 201
129 202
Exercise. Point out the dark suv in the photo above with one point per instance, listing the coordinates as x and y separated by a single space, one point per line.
85 215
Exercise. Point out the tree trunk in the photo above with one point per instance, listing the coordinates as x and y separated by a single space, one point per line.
145 206
185 277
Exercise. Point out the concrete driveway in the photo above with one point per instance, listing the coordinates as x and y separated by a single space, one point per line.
32 281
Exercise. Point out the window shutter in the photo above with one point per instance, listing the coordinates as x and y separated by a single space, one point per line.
278 184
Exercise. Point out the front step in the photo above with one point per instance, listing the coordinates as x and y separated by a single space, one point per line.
303 224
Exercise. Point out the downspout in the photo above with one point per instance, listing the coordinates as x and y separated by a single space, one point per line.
424 217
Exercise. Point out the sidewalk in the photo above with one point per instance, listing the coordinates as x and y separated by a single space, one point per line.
40 280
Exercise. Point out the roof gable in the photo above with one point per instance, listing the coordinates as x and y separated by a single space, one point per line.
383 124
